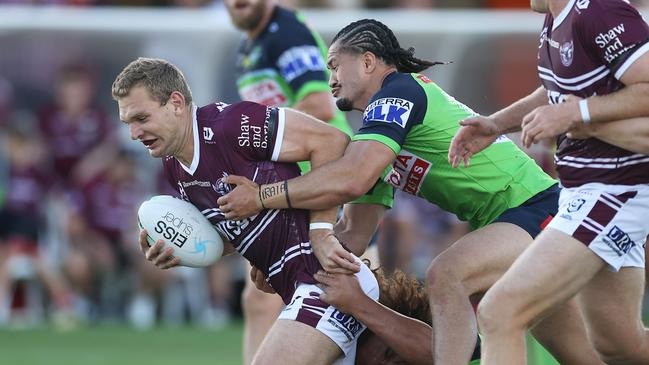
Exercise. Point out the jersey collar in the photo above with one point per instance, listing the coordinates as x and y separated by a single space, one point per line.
197 145
563 14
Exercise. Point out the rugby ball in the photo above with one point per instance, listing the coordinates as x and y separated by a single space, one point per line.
181 226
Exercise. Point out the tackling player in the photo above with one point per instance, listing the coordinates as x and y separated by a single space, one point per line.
407 128
280 63
595 50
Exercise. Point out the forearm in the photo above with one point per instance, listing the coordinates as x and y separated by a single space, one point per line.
509 119
630 134
627 103
357 225
408 337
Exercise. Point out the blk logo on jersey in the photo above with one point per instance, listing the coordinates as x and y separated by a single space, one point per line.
296 61
566 52
389 110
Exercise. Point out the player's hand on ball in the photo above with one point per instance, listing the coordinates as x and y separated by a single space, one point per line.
332 255
475 134
243 201
162 259
342 291
259 279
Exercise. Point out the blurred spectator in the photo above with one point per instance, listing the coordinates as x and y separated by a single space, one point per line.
21 220
6 101
508 4
102 230
77 132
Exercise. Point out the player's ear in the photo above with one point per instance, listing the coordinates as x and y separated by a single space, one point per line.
369 61
177 101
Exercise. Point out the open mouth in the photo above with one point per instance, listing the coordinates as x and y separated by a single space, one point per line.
149 142
334 91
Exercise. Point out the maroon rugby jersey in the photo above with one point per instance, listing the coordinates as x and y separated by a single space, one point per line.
244 139
584 52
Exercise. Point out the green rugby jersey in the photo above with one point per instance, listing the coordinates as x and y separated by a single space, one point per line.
285 63
417 120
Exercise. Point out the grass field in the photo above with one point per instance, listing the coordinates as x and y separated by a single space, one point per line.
122 346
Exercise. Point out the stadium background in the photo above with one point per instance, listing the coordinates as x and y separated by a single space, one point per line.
87 297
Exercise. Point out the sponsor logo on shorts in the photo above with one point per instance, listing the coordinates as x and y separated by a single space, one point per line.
623 243
349 325
567 217
575 205
388 110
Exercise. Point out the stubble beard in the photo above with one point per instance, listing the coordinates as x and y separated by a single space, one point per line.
345 104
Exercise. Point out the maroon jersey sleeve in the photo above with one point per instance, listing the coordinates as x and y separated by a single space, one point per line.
615 32
253 130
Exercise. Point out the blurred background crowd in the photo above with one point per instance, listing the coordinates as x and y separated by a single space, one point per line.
71 181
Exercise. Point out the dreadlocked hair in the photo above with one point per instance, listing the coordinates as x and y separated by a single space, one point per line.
369 35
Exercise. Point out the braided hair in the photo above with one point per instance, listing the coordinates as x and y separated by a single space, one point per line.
369 35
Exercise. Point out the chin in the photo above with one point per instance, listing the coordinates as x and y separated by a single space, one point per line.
345 104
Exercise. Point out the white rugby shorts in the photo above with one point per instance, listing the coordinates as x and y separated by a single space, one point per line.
341 328
612 220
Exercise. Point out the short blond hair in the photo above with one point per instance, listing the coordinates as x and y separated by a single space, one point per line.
159 77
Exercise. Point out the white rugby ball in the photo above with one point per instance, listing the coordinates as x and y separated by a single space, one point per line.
181 226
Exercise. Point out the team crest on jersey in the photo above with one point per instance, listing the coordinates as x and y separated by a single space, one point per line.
408 172
220 187
297 61
566 52
389 110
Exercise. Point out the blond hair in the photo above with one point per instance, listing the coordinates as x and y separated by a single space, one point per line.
159 77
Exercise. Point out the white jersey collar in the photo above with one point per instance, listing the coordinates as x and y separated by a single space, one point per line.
563 14
197 144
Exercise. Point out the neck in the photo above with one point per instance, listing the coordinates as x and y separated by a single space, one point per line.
186 152
268 13
556 6
374 86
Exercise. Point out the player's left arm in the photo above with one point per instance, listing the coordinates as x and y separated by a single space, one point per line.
408 337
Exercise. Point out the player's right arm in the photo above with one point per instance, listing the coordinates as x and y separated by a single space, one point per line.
479 132
408 337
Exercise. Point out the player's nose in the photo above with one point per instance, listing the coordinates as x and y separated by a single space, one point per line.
135 131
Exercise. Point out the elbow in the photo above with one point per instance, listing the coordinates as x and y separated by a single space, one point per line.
326 114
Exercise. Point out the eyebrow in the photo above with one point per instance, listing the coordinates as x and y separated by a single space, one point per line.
135 116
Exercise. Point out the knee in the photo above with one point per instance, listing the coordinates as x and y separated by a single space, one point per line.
619 350
442 275
497 313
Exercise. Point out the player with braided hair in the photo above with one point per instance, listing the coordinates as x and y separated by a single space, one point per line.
408 125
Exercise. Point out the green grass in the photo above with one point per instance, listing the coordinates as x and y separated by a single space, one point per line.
122 346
